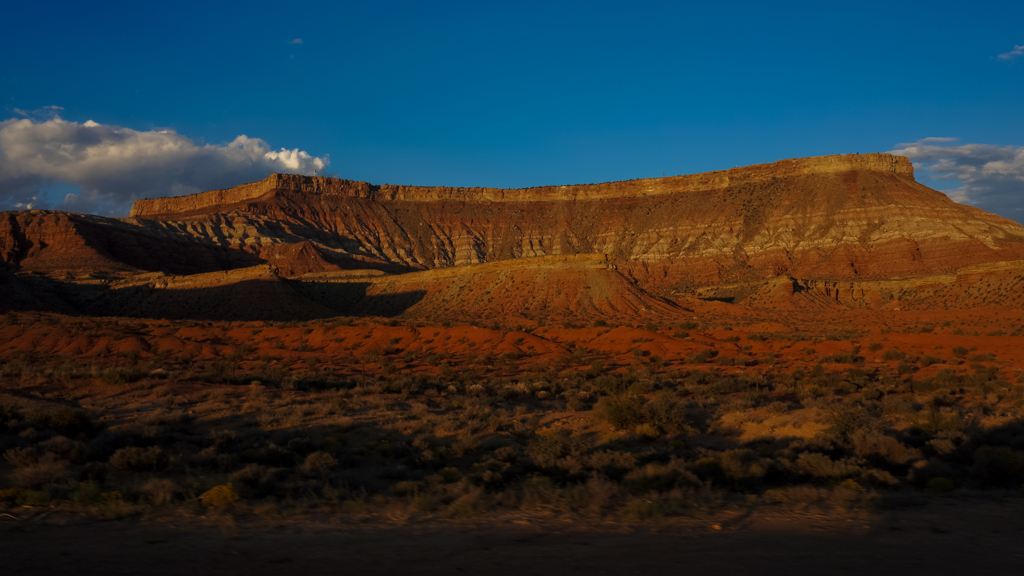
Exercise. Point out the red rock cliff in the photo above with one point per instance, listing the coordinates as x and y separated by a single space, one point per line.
218 200
831 217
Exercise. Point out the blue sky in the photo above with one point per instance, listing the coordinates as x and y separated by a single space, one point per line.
514 95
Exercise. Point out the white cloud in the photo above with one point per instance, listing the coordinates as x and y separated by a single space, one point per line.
44 113
990 177
1017 51
114 166
933 139
296 41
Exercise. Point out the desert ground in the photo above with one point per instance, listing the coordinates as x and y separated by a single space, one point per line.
736 444
942 536
811 365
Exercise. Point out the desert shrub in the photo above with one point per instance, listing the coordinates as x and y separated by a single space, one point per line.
939 485
874 347
537 491
88 493
935 422
945 378
731 383
21 457
276 456
627 411
929 360
893 404
579 353
66 421
161 490
547 448
609 384
667 414
960 352
578 403
134 459
49 469
609 463
893 354
659 477
676 502
821 467
998 465
844 358
871 443
66 448
851 484
599 495
621 410
702 356
872 394
448 474
473 502
799 494
319 462
648 431
878 478
301 445
220 496
904 368
121 375
743 466
9 414
946 442
23 497
943 397
924 471
845 418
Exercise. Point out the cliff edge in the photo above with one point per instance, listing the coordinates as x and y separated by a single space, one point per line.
218 200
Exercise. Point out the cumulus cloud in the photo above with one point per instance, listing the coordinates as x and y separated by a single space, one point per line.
1017 51
297 41
988 176
114 166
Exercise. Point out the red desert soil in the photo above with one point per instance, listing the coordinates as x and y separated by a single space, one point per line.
782 344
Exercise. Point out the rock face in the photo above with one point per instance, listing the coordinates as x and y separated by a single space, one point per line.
76 244
833 217
218 200
818 222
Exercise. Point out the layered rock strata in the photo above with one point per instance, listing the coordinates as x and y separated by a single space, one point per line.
850 218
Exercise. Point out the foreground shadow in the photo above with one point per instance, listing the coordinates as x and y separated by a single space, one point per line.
248 300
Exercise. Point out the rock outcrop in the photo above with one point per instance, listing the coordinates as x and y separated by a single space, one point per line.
782 232
851 216
222 200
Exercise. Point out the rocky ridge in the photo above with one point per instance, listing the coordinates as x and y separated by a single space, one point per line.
218 200
787 234
852 216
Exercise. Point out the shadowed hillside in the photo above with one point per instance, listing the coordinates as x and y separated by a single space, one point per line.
853 231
